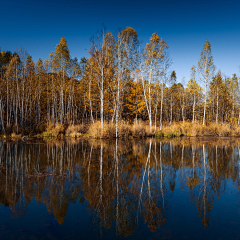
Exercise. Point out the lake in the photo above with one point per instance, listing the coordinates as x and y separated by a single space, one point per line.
187 188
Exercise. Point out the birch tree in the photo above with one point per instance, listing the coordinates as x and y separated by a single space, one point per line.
153 58
166 62
61 63
206 68
183 99
173 79
194 89
127 56
102 55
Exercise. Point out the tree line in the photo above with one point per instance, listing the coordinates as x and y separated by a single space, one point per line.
119 80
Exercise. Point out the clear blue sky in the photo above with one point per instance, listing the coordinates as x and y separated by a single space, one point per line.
185 25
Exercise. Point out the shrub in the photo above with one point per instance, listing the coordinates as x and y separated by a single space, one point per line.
95 130
14 135
140 129
76 130
54 131
168 134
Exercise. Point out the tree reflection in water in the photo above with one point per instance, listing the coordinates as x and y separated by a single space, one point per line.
123 183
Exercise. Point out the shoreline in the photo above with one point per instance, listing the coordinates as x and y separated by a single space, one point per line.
137 130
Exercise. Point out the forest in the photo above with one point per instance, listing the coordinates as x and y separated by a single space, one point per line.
121 83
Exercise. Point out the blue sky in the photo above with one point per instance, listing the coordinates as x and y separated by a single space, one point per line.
185 25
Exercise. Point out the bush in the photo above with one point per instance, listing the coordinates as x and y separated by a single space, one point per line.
95 130
76 130
54 131
168 134
14 135
140 129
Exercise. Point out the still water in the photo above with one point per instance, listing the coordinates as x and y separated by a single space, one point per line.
139 189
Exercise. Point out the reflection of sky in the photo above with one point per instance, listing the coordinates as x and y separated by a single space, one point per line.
77 198
184 25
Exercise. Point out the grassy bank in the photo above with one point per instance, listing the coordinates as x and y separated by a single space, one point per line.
190 129
138 129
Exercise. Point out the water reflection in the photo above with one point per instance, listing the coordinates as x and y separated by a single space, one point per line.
123 184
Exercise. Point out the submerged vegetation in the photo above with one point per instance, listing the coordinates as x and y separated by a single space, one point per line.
118 91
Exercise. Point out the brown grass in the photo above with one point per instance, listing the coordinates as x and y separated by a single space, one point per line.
95 130
73 131
141 128
76 131
54 130
197 129
14 135
138 129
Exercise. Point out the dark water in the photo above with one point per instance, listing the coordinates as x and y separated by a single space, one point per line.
147 189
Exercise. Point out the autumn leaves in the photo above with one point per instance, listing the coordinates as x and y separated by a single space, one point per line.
119 80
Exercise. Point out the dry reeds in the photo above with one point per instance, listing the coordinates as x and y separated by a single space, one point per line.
140 129
14 135
76 131
54 130
95 130
73 131
190 129
125 130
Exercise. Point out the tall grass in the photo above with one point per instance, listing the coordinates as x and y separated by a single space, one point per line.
58 130
197 129
76 131
138 129
54 130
